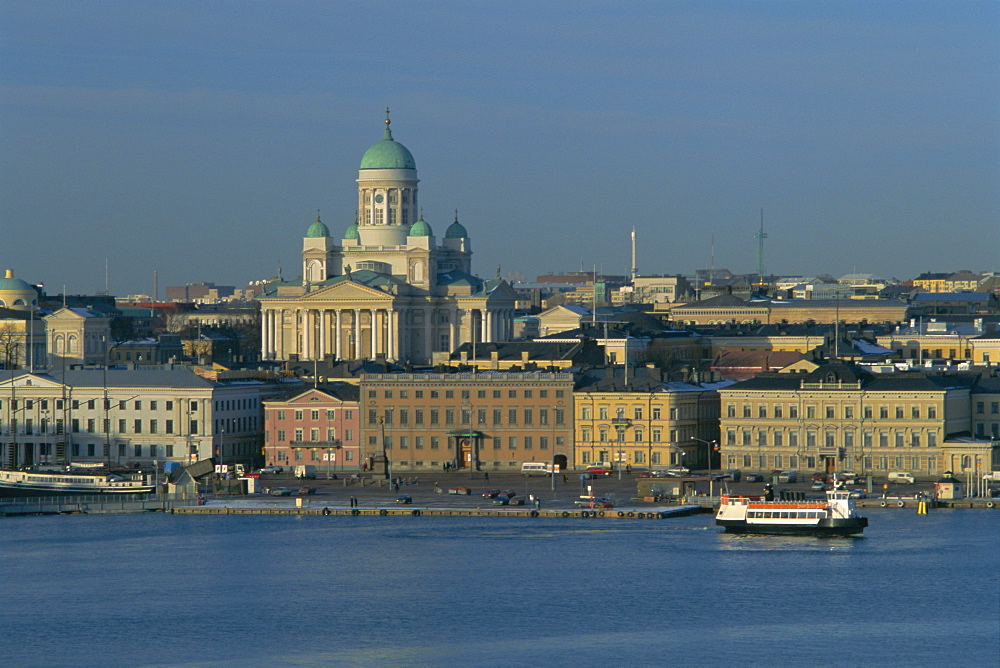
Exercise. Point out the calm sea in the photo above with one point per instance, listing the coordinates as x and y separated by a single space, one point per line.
159 589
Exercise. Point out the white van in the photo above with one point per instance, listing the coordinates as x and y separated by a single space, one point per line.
901 476
303 471
534 468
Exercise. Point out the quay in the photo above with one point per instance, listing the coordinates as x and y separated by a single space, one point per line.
399 511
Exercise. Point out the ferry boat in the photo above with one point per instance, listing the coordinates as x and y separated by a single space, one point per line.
40 483
836 515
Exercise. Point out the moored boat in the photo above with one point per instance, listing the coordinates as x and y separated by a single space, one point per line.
836 515
36 483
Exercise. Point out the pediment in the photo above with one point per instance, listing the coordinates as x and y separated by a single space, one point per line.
347 291
31 380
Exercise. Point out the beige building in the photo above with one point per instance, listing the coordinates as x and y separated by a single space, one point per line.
130 417
489 421
841 417
386 289
77 336
644 422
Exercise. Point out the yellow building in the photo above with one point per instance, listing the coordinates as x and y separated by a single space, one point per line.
841 417
644 422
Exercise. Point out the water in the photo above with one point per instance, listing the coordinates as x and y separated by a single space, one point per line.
157 589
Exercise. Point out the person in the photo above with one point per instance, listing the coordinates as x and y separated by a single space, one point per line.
486 476
628 469
768 492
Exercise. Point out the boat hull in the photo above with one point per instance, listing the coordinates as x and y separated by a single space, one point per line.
23 490
826 527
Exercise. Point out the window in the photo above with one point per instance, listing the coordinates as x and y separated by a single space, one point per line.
153 427
528 394
657 435
481 416
418 442
849 438
418 416
585 413
731 410
560 416
512 394
731 437
314 415
449 416
435 443
528 442
899 439
899 412
868 412
529 417
761 439
637 414
793 412
512 442
810 412
778 411
810 439
915 412
512 416
602 413
762 411
779 438
543 416
848 412
932 412
298 416
883 412
122 428
915 439
746 410
138 426
656 412
932 439
435 414
995 407
746 437
168 427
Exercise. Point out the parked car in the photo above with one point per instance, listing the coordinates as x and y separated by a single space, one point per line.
731 474
901 477
307 490
404 498
281 491
819 476
858 494
818 485
599 470
516 501
753 477
272 469
788 476
501 500
593 502
491 493
678 470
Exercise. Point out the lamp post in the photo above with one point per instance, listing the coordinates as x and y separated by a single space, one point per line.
709 446
621 424
467 413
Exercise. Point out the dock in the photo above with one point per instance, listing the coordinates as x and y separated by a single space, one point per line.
401 511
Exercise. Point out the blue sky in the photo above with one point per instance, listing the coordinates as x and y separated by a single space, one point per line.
199 138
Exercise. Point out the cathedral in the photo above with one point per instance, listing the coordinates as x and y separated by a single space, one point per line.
387 289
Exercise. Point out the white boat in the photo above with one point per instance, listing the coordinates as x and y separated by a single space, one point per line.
34 483
836 515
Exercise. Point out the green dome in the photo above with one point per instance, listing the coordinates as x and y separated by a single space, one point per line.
456 231
388 154
317 230
352 232
11 284
421 229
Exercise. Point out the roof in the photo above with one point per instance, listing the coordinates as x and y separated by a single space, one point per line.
317 230
388 154
174 378
421 228
981 297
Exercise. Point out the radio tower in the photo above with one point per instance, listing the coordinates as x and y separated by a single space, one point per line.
760 236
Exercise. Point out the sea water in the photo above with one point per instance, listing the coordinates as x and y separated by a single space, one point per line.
156 589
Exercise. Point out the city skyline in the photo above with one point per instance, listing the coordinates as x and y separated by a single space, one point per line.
199 140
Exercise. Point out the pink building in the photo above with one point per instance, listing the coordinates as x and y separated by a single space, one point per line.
319 427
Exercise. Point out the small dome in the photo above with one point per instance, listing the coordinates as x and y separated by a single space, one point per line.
318 230
15 293
421 229
388 153
352 232
456 231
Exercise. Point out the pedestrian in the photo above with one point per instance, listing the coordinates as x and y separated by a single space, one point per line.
486 476
565 480
628 469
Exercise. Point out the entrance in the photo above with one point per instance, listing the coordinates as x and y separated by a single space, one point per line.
830 465
560 461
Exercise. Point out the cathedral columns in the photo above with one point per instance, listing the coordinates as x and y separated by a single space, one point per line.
356 348
374 334
394 334
324 329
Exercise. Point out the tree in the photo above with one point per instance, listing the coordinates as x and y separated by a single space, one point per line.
11 341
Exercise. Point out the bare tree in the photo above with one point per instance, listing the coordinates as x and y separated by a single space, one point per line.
11 341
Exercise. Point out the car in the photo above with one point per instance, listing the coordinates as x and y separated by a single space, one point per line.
678 470
901 477
788 476
516 501
819 476
731 474
593 502
272 469
501 500
404 498
753 477
307 490
858 494
491 493
281 491
599 470
818 485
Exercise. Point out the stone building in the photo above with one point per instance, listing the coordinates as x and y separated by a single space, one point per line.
387 288
838 416
489 421
319 426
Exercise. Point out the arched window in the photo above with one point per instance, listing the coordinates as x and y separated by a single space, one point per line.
73 346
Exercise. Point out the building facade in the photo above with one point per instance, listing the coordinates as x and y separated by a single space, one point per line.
644 422
129 418
318 427
386 289
490 421
840 417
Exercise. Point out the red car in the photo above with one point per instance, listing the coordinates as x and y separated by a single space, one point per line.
599 470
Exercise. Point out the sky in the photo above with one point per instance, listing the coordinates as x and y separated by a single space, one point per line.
198 139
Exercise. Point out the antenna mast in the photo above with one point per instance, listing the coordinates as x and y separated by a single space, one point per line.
635 272
760 236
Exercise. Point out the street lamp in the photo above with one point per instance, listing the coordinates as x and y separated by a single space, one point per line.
467 417
709 446
621 424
